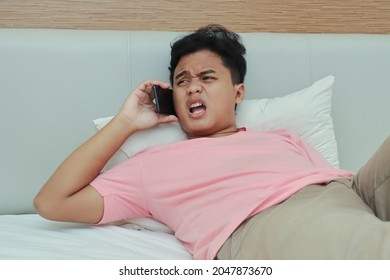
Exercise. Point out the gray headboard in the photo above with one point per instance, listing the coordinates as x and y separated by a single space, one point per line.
53 83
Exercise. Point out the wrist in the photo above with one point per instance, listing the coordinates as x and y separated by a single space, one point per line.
124 125
119 127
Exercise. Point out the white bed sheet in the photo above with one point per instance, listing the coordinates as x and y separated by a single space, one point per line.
30 237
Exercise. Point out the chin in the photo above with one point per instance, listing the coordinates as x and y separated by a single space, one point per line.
204 131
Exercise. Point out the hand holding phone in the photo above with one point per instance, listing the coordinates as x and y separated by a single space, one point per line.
164 100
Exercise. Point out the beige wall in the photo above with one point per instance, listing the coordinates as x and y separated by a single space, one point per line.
296 16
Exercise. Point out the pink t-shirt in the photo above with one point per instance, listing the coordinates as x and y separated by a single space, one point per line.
204 188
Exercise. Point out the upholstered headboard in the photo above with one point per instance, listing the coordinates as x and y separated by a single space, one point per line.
53 83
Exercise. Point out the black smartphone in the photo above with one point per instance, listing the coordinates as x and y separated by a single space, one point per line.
164 100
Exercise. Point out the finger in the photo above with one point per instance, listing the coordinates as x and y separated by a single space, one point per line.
147 85
163 84
167 119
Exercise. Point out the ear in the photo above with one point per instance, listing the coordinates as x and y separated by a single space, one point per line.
240 93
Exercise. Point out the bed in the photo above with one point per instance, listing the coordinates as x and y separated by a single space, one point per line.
57 87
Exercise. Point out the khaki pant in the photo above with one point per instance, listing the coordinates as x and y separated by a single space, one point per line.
346 219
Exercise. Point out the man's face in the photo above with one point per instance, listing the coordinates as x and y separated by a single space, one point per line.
205 96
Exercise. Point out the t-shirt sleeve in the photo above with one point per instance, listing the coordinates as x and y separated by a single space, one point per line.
122 190
307 150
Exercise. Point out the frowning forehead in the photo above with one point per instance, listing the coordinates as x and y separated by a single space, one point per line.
191 73
198 63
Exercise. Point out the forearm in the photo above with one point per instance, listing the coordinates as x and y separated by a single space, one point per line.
68 195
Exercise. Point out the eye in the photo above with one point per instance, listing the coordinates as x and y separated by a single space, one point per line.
208 78
181 82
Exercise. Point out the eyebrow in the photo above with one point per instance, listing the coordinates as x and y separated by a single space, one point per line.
185 72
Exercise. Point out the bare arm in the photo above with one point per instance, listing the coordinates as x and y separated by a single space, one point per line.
67 195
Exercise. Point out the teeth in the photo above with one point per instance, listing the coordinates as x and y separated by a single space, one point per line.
197 104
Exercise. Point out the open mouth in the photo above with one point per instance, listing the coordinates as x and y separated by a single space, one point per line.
197 108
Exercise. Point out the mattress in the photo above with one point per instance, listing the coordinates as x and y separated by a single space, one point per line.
30 237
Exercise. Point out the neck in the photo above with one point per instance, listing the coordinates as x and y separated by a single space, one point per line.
225 132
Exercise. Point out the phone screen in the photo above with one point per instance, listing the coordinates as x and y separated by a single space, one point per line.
164 100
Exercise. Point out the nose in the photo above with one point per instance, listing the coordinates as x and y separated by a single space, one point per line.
194 87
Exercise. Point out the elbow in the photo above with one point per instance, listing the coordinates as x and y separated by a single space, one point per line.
43 207
39 204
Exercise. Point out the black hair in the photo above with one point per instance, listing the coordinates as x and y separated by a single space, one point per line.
217 39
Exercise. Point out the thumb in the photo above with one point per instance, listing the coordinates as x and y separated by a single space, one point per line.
167 119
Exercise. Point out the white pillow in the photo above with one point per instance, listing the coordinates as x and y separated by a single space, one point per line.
161 134
306 112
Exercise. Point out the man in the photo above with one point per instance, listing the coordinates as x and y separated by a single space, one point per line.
213 190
